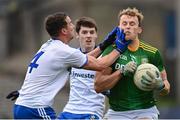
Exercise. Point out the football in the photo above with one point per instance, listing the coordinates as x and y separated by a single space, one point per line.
141 70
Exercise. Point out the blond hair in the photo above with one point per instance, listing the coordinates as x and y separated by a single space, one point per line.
132 12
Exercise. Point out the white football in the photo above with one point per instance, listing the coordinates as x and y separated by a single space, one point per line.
141 70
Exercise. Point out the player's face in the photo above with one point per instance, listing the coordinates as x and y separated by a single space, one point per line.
130 25
70 28
87 38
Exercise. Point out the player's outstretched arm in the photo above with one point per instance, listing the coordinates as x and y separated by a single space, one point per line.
105 79
95 53
104 62
109 39
101 63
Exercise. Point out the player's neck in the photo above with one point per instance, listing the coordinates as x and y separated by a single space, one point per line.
134 45
86 50
64 39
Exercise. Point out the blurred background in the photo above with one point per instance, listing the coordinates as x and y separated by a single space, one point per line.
22 33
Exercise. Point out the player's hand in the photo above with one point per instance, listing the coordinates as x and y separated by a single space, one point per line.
147 82
120 42
130 67
13 95
110 38
106 93
152 82
159 84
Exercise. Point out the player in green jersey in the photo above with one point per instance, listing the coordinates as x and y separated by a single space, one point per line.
125 99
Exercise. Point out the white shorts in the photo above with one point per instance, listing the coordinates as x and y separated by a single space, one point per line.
150 113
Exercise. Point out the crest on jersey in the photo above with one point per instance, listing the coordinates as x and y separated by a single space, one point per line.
133 58
144 60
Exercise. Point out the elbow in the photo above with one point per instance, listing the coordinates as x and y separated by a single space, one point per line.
97 87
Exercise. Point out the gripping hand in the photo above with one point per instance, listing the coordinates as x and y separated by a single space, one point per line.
130 67
106 93
110 38
13 95
147 82
120 42
152 82
159 84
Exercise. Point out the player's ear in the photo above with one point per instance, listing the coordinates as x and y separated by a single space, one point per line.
77 35
63 30
140 30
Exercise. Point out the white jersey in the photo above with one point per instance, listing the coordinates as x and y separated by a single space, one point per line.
83 98
48 72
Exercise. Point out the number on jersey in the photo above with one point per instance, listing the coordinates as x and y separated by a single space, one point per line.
35 59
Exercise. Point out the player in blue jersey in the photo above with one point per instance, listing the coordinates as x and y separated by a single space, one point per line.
48 71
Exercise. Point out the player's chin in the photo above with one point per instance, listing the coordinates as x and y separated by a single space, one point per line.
73 35
127 38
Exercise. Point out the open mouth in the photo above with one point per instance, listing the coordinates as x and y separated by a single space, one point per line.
88 40
88 43
127 33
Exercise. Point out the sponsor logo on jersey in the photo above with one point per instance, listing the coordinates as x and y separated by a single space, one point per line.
123 57
82 75
119 66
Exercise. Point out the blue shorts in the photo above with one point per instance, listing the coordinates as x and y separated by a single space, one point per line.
68 115
22 112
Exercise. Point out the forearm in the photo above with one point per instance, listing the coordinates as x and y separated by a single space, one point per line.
101 63
166 88
95 53
106 82
109 59
94 64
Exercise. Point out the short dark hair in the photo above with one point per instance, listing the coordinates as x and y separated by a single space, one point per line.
86 22
55 22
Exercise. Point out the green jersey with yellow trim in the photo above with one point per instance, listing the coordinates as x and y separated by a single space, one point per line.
125 95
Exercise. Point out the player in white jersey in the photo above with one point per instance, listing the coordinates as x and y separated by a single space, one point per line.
48 70
84 102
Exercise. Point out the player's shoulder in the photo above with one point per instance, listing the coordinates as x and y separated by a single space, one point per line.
147 47
61 47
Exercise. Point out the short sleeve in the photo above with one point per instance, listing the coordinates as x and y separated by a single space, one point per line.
76 59
158 62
